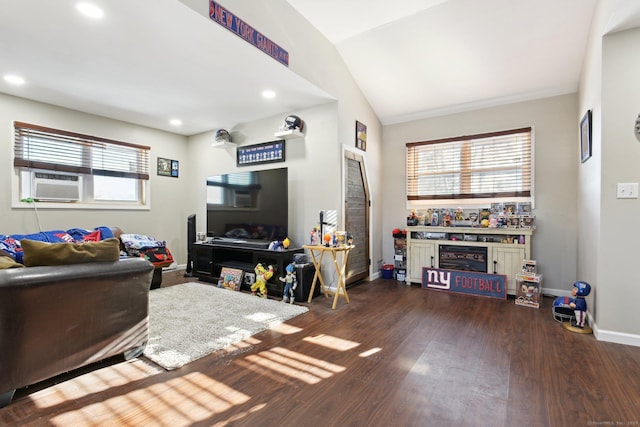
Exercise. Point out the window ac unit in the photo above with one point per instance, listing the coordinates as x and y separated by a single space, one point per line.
56 187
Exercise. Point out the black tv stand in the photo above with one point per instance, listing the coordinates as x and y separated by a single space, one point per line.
210 257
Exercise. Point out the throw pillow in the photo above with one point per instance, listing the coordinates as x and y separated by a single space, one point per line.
43 253
7 261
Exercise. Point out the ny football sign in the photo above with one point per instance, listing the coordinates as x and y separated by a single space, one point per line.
465 282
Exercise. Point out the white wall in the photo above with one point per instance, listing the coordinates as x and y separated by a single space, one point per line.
166 220
313 166
315 163
607 254
618 274
314 58
589 173
556 160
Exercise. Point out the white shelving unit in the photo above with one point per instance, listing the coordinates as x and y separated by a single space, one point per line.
503 255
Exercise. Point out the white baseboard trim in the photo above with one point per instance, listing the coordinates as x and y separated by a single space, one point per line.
616 337
173 267
600 334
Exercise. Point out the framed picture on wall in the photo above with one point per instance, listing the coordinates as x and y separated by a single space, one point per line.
168 167
164 167
268 152
361 136
585 137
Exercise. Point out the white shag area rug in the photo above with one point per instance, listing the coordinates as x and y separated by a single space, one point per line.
191 320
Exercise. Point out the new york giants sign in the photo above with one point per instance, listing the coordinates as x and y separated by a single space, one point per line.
231 22
465 282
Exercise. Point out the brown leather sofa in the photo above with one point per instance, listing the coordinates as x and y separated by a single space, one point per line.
60 318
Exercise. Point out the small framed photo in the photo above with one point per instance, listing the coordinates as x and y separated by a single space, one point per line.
164 167
361 136
585 137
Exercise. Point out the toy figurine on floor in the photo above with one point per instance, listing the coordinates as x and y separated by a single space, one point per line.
574 308
259 288
290 284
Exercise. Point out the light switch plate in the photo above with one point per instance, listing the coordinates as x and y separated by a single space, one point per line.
627 190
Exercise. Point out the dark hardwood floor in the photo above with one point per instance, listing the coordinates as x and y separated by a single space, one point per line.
395 356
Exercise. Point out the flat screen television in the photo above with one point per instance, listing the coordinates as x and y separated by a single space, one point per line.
248 207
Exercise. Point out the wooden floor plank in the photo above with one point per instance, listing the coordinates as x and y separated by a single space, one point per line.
396 355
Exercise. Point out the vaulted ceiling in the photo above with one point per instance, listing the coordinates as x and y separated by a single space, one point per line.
148 62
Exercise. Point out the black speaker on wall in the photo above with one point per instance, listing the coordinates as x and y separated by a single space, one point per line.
191 239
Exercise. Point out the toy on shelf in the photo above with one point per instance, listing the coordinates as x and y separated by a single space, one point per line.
279 245
263 274
434 218
413 218
529 266
349 239
446 221
276 245
290 284
459 214
314 239
573 309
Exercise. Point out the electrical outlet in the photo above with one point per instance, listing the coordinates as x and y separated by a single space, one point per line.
627 190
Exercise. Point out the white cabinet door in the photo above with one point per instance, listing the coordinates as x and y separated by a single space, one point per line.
420 254
507 261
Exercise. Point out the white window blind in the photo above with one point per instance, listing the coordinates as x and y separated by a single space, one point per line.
485 166
39 147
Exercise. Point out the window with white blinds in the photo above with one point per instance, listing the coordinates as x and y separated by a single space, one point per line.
38 147
108 170
494 165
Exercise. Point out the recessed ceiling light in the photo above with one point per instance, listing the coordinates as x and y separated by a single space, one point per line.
269 94
13 79
176 122
90 10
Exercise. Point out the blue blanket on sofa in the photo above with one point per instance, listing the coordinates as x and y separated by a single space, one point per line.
11 243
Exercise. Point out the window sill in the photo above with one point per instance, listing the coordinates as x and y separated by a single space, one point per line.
81 206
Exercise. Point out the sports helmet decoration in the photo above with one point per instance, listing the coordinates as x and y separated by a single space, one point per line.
583 288
293 123
222 135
